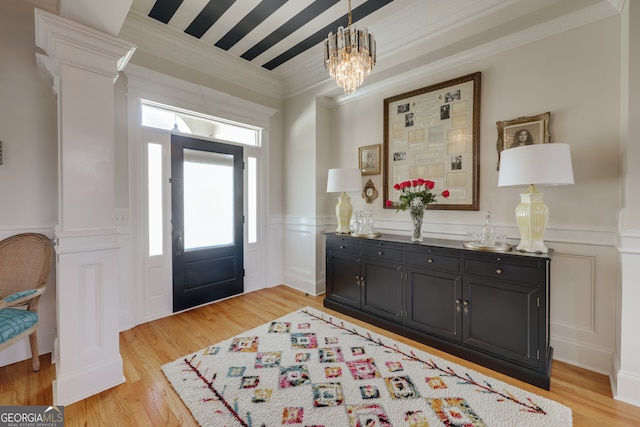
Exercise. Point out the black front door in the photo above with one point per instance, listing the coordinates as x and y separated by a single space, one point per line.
207 221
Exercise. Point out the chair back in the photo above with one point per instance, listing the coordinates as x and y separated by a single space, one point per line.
25 261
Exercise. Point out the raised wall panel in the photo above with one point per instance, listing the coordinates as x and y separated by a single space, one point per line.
157 286
299 258
159 297
90 308
583 315
573 290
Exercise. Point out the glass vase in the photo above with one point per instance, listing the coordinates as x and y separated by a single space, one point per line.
416 223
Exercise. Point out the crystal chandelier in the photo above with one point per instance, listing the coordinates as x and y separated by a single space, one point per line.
350 55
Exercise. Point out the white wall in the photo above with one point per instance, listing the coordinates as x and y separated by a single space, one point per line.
556 74
27 117
576 76
28 174
299 187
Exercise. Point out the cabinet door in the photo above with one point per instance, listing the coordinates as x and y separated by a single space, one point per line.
343 283
382 288
434 302
502 318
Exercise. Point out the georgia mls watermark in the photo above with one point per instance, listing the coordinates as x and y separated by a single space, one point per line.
31 416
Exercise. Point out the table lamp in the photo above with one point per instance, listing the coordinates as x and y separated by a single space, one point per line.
531 165
345 180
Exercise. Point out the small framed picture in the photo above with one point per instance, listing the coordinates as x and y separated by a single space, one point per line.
523 131
369 159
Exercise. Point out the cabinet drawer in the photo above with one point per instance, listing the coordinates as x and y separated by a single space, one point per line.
433 259
381 250
497 268
347 245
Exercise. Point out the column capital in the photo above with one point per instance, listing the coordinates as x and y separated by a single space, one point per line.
67 42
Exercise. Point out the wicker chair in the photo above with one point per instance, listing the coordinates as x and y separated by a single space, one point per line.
25 260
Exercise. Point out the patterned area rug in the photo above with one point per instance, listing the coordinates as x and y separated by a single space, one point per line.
312 369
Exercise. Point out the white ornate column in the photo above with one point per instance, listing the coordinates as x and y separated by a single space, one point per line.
626 364
84 64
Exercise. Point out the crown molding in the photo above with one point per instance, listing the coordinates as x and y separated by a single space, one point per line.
307 71
587 15
427 34
154 38
617 4
48 5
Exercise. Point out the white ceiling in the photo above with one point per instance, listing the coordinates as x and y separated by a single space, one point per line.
410 34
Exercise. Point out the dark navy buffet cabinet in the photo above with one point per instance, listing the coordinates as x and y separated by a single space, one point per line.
491 308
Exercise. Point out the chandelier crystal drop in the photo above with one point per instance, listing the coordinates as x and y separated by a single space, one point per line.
350 55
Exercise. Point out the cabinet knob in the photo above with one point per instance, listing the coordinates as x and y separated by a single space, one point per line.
430 261
465 303
380 253
341 247
458 301
498 271
357 277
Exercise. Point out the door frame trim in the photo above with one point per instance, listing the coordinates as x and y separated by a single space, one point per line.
136 296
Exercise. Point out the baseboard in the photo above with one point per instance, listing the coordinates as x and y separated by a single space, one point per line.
627 388
74 387
302 289
584 356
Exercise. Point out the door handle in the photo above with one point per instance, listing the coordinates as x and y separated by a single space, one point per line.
179 244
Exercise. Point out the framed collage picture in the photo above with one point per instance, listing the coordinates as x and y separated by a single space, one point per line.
433 133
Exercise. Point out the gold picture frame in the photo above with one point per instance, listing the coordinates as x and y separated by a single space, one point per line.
369 192
369 159
434 133
523 131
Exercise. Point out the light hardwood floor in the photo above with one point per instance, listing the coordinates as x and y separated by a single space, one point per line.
147 399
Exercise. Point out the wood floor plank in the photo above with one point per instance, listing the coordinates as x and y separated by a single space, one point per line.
147 398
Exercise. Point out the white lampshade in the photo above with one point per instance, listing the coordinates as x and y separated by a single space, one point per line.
531 165
347 180
539 164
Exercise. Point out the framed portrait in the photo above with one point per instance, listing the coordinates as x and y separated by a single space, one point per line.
369 159
434 133
523 131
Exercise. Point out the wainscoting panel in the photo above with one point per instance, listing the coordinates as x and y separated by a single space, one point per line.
583 293
274 255
302 246
91 288
573 288
127 292
299 257
88 325
159 298
583 316
583 287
